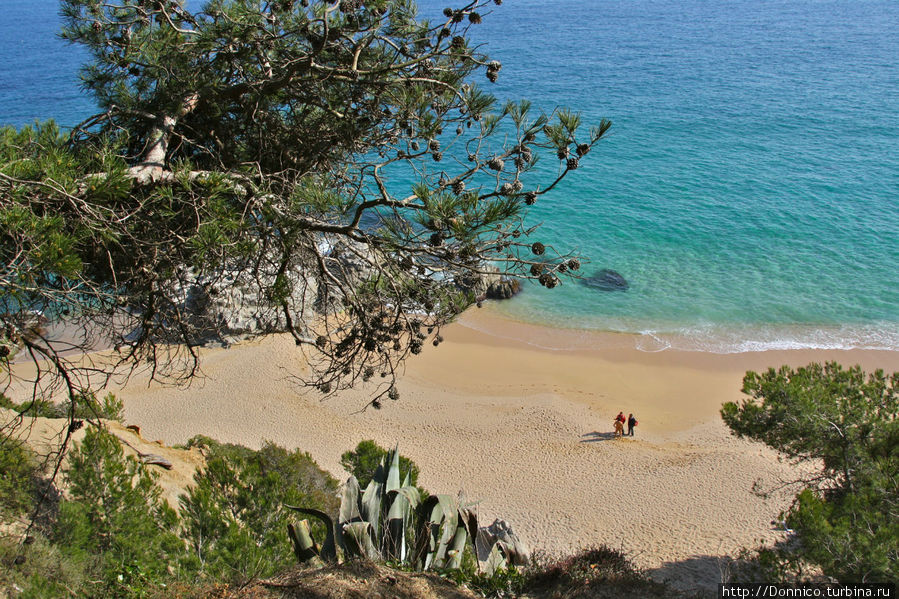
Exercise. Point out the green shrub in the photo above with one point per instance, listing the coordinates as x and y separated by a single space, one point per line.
364 460
86 406
18 471
845 424
115 521
39 569
593 572
234 516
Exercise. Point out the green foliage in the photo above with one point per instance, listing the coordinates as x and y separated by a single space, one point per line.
845 518
18 469
504 582
363 461
86 406
115 521
593 572
41 569
234 516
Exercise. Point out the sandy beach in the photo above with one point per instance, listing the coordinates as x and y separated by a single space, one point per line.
526 430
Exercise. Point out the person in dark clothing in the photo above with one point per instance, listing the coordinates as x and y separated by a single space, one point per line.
631 423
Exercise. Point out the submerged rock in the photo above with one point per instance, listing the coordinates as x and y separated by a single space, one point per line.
606 280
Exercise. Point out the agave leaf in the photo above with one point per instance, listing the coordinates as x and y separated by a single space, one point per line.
371 507
303 544
410 494
380 474
495 561
349 502
407 481
448 527
444 521
329 549
357 540
393 472
456 548
349 508
428 528
469 519
401 501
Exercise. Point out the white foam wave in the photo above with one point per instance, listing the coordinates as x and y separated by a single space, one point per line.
744 339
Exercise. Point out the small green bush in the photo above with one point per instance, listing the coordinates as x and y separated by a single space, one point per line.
234 516
594 572
39 569
363 461
87 406
18 470
115 521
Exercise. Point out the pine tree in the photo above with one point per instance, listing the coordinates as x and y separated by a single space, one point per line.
248 150
846 424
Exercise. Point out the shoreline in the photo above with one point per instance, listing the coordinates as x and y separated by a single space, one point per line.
526 432
495 320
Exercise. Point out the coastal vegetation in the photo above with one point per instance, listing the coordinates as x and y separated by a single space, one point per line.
109 533
845 424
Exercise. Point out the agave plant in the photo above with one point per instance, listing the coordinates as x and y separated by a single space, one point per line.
388 521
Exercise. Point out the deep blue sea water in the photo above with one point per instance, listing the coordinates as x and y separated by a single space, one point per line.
749 187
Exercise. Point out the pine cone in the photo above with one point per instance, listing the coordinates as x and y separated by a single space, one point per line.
530 198
572 163
574 264
538 248
496 164
583 149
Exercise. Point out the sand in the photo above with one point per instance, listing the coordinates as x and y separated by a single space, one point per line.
526 430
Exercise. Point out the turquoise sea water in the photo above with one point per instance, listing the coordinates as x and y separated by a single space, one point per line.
749 187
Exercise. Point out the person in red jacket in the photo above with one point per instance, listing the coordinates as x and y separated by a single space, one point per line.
619 424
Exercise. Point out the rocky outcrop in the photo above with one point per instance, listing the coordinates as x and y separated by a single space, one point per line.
234 303
504 288
491 284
